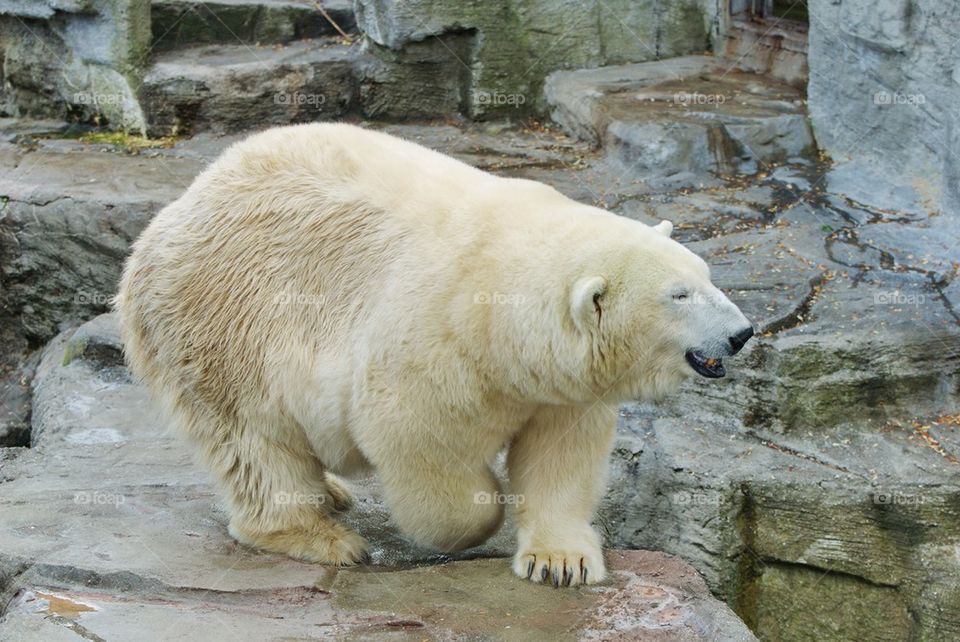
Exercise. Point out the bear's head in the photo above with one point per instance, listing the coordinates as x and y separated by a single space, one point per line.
649 315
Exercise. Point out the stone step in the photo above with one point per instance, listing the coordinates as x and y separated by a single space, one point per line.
682 117
182 23
778 49
225 88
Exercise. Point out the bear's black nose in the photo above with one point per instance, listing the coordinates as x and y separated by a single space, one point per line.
740 339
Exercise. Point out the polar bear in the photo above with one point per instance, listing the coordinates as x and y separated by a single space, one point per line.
326 300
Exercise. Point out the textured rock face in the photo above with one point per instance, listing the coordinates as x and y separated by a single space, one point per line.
74 59
884 87
651 597
225 88
511 45
684 117
68 213
185 23
821 475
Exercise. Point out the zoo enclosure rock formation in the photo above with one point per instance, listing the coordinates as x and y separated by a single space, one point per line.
825 464
733 475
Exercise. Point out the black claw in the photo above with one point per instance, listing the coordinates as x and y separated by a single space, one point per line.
530 565
556 581
544 573
583 575
567 575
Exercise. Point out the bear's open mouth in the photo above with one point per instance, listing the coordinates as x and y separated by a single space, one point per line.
705 366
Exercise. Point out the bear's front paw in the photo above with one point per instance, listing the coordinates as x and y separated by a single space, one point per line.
561 565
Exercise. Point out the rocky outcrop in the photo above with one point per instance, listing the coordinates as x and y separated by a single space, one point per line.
884 88
68 213
824 469
178 24
78 60
682 118
509 46
224 88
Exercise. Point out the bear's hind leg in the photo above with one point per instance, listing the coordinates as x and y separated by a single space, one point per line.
440 501
280 497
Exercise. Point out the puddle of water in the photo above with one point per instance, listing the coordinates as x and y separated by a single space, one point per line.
61 605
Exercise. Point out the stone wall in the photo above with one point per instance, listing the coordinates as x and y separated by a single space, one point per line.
884 92
503 49
74 59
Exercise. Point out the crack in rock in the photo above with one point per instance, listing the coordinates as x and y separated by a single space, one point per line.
798 315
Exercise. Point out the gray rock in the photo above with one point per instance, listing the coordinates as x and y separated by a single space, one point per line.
41 8
16 373
182 23
681 117
83 61
783 526
884 89
860 181
229 87
515 44
68 216
810 472
423 80
769 47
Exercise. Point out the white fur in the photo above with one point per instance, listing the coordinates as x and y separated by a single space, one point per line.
325 299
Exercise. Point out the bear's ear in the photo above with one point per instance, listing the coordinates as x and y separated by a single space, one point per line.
664 227
586 301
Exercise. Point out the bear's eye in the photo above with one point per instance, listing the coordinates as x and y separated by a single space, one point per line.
683 295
